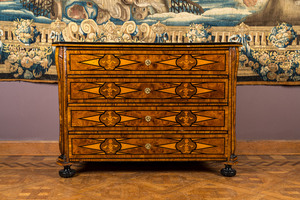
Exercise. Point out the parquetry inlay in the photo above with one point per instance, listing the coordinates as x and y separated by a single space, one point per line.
96 118
118 146
92 90
92 118
203 90
117 90
94 62
178 118
124 62
116 62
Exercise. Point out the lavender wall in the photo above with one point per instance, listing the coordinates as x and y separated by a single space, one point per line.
268 112
29 111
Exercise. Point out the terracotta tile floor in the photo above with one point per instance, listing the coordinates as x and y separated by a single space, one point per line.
258 178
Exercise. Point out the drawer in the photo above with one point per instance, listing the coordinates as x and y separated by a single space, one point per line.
134 90
147 61
150 147
147 118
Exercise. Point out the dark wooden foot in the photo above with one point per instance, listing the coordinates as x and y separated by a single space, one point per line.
67 172
228 171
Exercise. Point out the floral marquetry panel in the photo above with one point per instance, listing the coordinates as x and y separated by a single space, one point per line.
109 118
187 62
147 102
109 62
187 118
110 146
109 90
187 90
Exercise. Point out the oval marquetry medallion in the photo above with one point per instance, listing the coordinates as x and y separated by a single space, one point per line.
109 90
186 62
110 146
109 62
110 118
186 90
186 118
186 146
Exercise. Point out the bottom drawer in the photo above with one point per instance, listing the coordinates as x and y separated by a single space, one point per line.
118 148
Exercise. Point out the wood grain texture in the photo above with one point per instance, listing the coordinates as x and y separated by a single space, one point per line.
195 148
110 118
29 148
176 90
271 147
128 102
118 61
260 177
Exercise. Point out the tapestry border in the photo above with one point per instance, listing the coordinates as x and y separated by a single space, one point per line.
254 39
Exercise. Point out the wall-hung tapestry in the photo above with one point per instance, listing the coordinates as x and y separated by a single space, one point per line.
268 30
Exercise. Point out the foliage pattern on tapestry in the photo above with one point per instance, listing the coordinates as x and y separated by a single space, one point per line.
266 28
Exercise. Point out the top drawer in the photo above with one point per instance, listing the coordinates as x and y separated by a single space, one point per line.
142 61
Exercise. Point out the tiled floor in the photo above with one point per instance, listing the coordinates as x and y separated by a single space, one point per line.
258 178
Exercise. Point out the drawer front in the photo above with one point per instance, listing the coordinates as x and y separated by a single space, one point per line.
134 147
151 61
148 118
135 90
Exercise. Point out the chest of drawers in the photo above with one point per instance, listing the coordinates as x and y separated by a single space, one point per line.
147 102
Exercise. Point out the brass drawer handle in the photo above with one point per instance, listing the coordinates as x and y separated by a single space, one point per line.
147 90
148 118
147 62
148 146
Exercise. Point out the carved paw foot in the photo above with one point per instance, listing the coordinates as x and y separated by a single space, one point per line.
67 172
228 171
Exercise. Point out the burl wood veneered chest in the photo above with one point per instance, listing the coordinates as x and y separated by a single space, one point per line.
147 102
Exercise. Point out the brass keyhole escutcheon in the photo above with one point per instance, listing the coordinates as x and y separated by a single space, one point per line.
147 62
147 90
148 146
148 118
